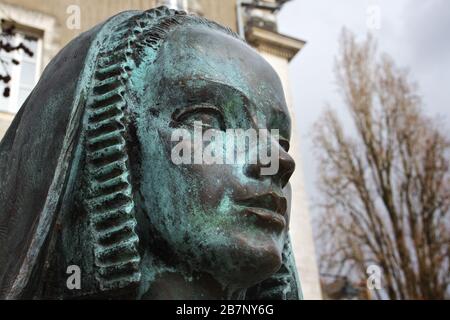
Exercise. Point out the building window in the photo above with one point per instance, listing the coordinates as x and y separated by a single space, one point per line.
25 74
192 6
174 4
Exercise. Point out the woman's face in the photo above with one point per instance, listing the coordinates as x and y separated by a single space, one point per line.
224 219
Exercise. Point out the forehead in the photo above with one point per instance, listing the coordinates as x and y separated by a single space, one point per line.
199 52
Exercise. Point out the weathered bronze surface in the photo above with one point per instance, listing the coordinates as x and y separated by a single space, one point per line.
86 176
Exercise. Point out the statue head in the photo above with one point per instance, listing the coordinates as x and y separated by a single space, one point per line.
158 184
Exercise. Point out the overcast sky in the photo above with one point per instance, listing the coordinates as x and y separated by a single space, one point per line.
415 33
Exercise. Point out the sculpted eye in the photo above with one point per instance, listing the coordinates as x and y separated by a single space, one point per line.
210 117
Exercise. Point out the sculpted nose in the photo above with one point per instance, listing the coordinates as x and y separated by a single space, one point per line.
286 167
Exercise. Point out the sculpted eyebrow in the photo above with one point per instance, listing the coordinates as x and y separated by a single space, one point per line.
226 86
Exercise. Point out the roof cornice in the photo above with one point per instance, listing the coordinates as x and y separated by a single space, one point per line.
274 43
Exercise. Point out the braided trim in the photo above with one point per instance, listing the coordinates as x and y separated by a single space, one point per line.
110 205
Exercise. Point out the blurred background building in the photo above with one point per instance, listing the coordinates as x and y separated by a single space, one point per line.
45 26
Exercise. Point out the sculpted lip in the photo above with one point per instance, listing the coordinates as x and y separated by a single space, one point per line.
269 208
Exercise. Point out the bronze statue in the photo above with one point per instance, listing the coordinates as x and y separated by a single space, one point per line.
87 179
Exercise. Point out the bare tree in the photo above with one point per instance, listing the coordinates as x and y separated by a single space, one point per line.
385 184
